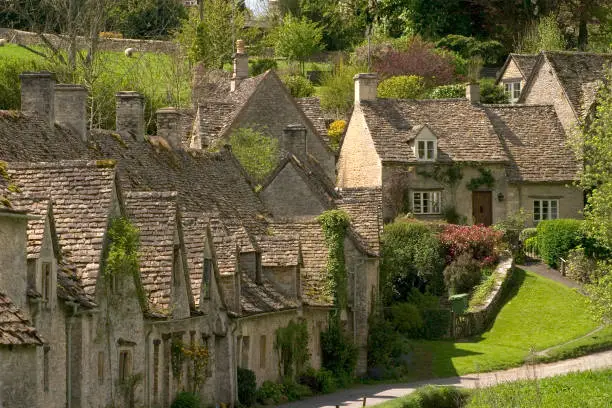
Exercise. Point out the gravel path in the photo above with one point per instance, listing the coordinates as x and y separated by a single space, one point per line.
376 394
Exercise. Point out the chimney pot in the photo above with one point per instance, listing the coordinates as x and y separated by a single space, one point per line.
169 126
71 108
38 94
294 139
130 114
472 93
366 87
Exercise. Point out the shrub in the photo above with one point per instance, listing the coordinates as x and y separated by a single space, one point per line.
298 86
294 391
511 228
384 343
437 323
10 90
432 396
556 238
256 151
491 93
412 256
468 47
420 58
531 245
270 391
259 66
448 92
477 240
527 233
335 132
407 319
338 353
452 216
462 274
247 386
319 381
402 87
338 88
580 267
186 400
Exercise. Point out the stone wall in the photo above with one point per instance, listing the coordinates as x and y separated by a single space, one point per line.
512 73
358 164
545 89
285 278
105 44
18 377
13 280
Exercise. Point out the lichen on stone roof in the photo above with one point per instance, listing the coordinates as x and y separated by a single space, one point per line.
15 328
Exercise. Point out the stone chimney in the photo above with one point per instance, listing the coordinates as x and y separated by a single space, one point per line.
472 93
130 114
169 126
38 94
294 139
71 108
241 65
366 86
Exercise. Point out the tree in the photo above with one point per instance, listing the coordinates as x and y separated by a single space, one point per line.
297 39
147 19
597 179
256 151
543 35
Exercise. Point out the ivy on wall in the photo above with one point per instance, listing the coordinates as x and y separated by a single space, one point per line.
335 224
291 344
485 179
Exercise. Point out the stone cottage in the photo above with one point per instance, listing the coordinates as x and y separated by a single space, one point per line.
457 158
514 74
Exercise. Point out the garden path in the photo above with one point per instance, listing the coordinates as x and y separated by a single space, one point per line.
544 270
376 394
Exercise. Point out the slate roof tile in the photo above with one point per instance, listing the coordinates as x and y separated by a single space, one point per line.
279 249
311 106
364 206
15 328
263 298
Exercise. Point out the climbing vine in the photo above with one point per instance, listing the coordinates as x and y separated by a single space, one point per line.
334 224
449 175
485 179
177 358
291 344
197 355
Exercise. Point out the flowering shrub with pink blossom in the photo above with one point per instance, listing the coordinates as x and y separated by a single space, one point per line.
478 240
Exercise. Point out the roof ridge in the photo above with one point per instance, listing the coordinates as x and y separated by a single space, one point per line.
59 164
151 194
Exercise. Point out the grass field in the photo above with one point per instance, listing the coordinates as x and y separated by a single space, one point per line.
540 313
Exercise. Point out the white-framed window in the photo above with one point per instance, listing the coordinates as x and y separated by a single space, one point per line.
426 202
513 90
545 210
426 149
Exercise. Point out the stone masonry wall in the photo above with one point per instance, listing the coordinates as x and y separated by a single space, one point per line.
571 199
511 73
18 377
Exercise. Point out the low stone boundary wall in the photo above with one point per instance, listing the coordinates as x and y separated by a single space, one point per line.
477 320
105 44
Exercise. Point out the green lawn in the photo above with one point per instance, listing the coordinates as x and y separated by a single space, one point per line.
540 313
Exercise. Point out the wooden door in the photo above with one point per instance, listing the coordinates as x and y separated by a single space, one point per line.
482 207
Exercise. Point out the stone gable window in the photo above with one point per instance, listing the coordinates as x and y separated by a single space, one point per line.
125 365
426 202
46 282
545 210
426 149
46 351
513 91
262 352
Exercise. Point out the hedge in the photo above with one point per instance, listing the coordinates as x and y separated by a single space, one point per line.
556 238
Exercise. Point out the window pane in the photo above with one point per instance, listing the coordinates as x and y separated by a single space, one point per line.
554 209
430 150
517 90
536 210
545 210
435 205
421 150
426 209
416 203
507 89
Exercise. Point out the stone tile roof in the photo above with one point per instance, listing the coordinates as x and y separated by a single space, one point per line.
311 107
314 258
463 129
226 246
39 207
155 216
535 142
194 233
364 206
69 285
15 328
525 63
82 193
279 249
263 298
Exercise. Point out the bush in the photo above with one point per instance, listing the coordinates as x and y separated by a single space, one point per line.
256 151
335 132
477 240
527 233
462 274
10 90
259 66
384 343
294 391
531 245
468 47
412 256
448 92
186 400
432 396
580 267
338 353
338 89
556 238
407 319
319 381
402 87
512 227
491 93
452 216
298 86
270 391
247 386
437 323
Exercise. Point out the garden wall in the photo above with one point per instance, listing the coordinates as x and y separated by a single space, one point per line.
105 44
478 319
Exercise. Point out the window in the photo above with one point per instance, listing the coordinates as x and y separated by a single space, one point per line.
45 280
426 149
101 367
262 352
207 274
156 344
125 365
426 202
545 210
46 351
245 352
513 91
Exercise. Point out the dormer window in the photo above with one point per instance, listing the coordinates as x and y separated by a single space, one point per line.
426 149
513 91
424 143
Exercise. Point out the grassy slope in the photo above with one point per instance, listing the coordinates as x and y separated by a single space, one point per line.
542 313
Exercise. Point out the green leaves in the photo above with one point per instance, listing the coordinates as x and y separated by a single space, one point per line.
334 224
256 151
297 39
122 256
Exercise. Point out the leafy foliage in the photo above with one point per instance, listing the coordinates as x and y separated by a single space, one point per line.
186 400
411 256
122 258
247 386
319 381
448 92
338 353
298 86
484 179
512 227
580 267
10 69
335 132
261 65
270 391
291 343
463 274
467 47
600 292
543 35
491 93
297 39
476 240
256 151
149 19
402 87
557 237
385 345
338 89
334 224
